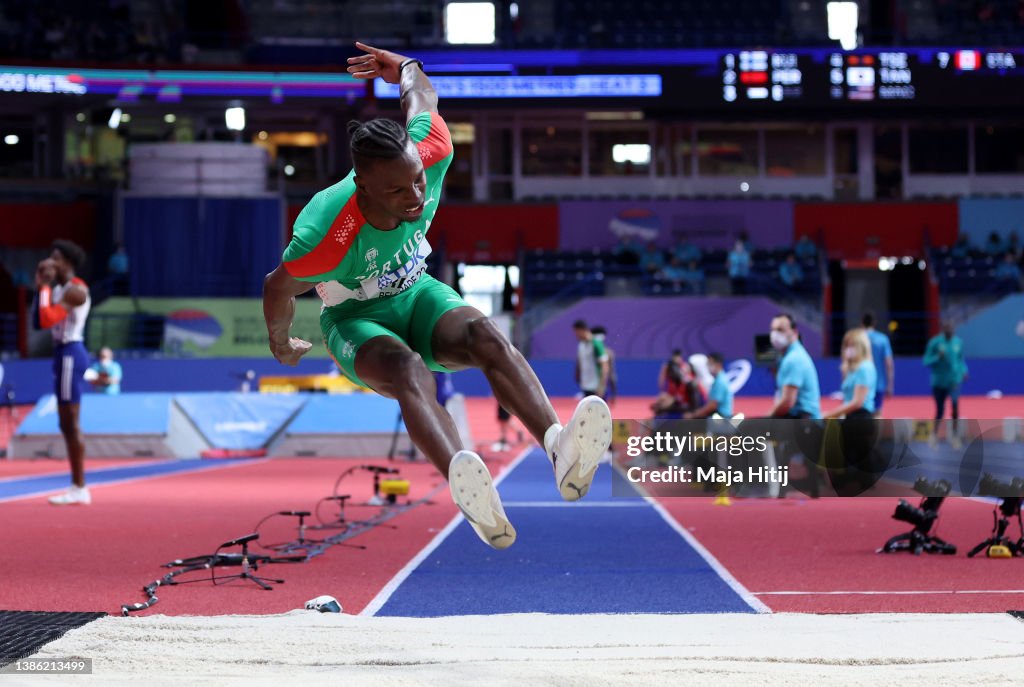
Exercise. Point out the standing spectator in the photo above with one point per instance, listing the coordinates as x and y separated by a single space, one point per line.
591 361
790 272
944 356
860 377
687 251
106 373
805 248
652 259
738 264
1007 274
720 395
797 378
118 267
612 390
881 353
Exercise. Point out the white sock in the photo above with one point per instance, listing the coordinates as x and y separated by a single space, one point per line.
550 436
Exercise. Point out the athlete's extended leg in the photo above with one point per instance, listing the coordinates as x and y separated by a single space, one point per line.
72 431
392 369
464 337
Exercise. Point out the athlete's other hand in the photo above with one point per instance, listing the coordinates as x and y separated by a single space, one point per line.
46 272
376 62
289 353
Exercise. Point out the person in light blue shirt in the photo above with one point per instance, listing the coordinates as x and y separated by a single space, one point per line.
790 271
805 248
652 259
799 395
686 251
860 378
1007 273
719 395
738 264
107 371
881 355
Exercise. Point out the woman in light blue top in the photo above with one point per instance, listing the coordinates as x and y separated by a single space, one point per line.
860 378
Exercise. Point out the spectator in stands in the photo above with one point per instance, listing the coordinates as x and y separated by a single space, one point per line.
738 264
719 396
799 395
881 354
994 245
805 248
962 247
687 251
105 374
118 266
1007 273
693 277
790 272
744 238
591 361
673 271
944 357
612 389
652 259
860 378
629 249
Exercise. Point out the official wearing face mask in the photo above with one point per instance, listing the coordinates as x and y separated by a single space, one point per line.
799 395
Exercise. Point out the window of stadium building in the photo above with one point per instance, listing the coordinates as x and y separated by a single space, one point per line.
938 149
552 151
727 152
615 152
795 152
999 149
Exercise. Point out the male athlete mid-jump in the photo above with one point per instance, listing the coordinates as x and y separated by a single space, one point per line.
387 323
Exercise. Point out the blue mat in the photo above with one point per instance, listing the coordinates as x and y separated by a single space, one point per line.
24 487
619 557
346 413
123 414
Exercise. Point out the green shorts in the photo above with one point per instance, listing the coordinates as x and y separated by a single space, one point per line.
410 317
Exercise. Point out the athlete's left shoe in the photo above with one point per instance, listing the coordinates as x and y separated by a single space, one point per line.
578 448
474 493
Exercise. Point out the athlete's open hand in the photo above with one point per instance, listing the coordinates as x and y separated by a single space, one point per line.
289 353
376 62
46 272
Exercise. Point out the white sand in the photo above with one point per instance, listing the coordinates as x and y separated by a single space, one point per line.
306 648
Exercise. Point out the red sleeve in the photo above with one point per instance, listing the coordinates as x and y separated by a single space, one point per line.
437 144
49 313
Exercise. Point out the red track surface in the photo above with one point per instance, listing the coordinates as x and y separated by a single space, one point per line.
99 557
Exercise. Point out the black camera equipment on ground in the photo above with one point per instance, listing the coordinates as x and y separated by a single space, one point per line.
1011 493
922 517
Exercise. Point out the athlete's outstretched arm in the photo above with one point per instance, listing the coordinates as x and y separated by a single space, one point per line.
417 93
279 292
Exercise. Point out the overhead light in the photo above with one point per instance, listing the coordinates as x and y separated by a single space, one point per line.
614 116
125 118
262 135
513 11
469 22
289 170
170 118
115 118
11 139
842 23
744 186
80 117
635 153
234 117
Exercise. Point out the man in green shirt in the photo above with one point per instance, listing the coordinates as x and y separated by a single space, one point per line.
944 356
387 323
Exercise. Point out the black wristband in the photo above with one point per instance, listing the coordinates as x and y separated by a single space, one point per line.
411 60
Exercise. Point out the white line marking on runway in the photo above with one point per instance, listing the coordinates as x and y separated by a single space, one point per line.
395 582
895 593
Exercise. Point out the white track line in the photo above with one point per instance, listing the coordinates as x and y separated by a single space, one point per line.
128 463
891 593
748 597
128 480
395 582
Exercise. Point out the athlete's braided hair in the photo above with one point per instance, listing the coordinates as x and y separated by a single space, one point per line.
377 139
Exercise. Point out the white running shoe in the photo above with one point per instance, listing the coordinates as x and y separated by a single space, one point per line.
475 495
578 448
74 496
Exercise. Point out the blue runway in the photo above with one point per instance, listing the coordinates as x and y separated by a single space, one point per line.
26 487
601 555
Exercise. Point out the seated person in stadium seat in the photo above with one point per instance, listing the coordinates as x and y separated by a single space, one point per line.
1007 273
719 396
652 259
962 247
790 271
994 244
673 271
686 251
805 248
106 373
628 250
693 276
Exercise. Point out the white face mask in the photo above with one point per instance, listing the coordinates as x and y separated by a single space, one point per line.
779 340
850 352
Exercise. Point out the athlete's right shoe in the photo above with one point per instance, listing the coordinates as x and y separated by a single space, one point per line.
474 493
74 496
578 448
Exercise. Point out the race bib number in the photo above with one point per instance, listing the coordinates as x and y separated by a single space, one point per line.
398 280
